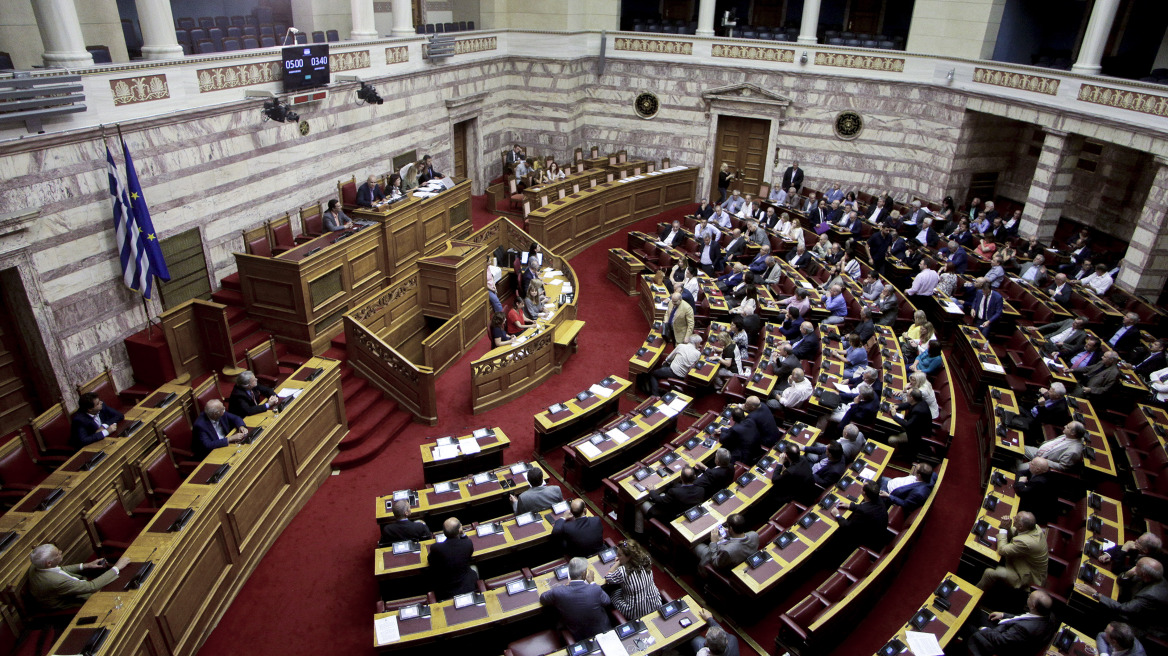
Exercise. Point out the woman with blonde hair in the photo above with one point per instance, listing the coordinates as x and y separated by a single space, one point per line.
920 332
636 595
918 380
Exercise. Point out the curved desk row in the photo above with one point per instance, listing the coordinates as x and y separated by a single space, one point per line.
209 536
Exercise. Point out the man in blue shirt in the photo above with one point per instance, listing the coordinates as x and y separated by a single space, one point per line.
836 305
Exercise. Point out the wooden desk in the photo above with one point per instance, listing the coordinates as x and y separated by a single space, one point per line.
938 619
571 224
301 295
448 497
450 456
199 569
1104 529
613 444
1079 643
664 633
562 422
648 357
654 301
624 270
978 364
980 550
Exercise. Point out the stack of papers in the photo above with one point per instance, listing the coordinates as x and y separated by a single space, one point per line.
617 436
668 411
442 488
445 452
678 404
869 474
588 449
923 644
482 432
610 645
996 368
289 392
602 392
385 630
469 445
843 388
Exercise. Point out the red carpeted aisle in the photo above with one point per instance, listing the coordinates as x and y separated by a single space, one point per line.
314 592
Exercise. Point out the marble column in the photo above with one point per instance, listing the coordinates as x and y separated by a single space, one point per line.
403 18
809 27
706 11
158 38
61 33
1095 39
1050 185
1144 268
364 26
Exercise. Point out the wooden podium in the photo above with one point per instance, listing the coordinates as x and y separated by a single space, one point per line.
451 278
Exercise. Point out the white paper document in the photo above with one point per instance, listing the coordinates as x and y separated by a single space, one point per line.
951 307
469 445
869 474
602 392
989 366
806 285
589 449
667 411
923 644
289 392
385 629
617 436
442 488
610 645
678 404
482 432
445 452
843 388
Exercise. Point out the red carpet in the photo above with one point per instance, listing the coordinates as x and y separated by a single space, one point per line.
316 587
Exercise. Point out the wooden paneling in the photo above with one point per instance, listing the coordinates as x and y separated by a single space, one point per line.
459 147
194 591
262 495
742 143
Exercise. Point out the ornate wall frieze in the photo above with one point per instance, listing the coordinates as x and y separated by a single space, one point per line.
242 75
384 299
654 45
397 55
349 61
142 88
1135 101
387 355
862 62
466 46
1024 82
753 53
513 357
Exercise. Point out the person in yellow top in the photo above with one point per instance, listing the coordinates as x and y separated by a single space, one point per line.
1023 552
55 587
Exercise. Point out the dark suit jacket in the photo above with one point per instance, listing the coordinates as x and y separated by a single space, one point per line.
740 440
205 437
799 261
865 526
1054 414
736 247
705 213
995 308
714 479
242 402
793 177
677 240
795 483
911 496
582 608
427 173
715 253
1151 364
830 473
784 367
449 567
865 329
1127 342
896 248
763 421
878 247
84 430
674 501
1018 638
583 536
400 530
1038 495
959 259
863 413
1063 297
366 195
808 348
931 238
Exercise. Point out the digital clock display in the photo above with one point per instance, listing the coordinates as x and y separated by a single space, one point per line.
306 66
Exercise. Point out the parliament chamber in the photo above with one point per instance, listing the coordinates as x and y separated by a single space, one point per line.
693 327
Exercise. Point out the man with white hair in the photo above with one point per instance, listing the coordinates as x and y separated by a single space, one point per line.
1063 452
1051 406
581 603
216 428
678 364
55 587
1147 610
797 391
249 398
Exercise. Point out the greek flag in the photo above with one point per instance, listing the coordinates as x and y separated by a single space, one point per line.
138 247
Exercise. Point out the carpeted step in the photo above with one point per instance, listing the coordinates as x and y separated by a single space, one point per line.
241 329
231 282
359 403
235 313
335 353
371 447
351 387
368 424
228 297
249 342
340 341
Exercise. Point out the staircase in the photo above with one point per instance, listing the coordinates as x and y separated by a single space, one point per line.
374 419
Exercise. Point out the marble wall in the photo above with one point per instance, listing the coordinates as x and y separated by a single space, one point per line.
993 144
1111 197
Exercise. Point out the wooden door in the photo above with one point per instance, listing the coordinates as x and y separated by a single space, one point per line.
460 150
743 144
864 16
18 401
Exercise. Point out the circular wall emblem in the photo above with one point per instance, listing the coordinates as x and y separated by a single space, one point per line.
304 128
646 105
848 125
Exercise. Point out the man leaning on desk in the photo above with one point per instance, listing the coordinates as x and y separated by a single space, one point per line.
213 429
55 587
370 192
249 398
93 420
538 497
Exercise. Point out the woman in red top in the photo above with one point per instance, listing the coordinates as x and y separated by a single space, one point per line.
986 248
516 322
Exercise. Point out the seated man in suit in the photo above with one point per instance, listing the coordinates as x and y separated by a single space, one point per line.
716 642
426 170
783 361
54 587
909 492
866 525
1050 407
888 306
213 429
538 497
987 305
737 246
403 528
1118 639
1037 492
799 257
1099 380
335 218
1022 547
1060 290
1027 633
739 439
807 346
1086 358
1147 609
793 479
862 410
580 534
828 471
851 440
581 603
1066 336
673 235
676 499
1155 359
705 209
369 192
92 421
1123 557
1063 452
728 546
1127 336
449 570
713 479
1035 271
249 398
763 421
917 422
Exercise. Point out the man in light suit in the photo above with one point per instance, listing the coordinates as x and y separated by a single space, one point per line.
1022 547
369 192
774 274
580 535
987 305
680 318
726 550
213 429
1063 452
1067 336
92 421
810 204
581 603
538 497
54 587
1027 633
793 177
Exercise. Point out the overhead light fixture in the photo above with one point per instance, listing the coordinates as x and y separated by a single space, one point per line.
275 110
369 94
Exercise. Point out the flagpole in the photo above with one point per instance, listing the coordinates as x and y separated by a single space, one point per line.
145 303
